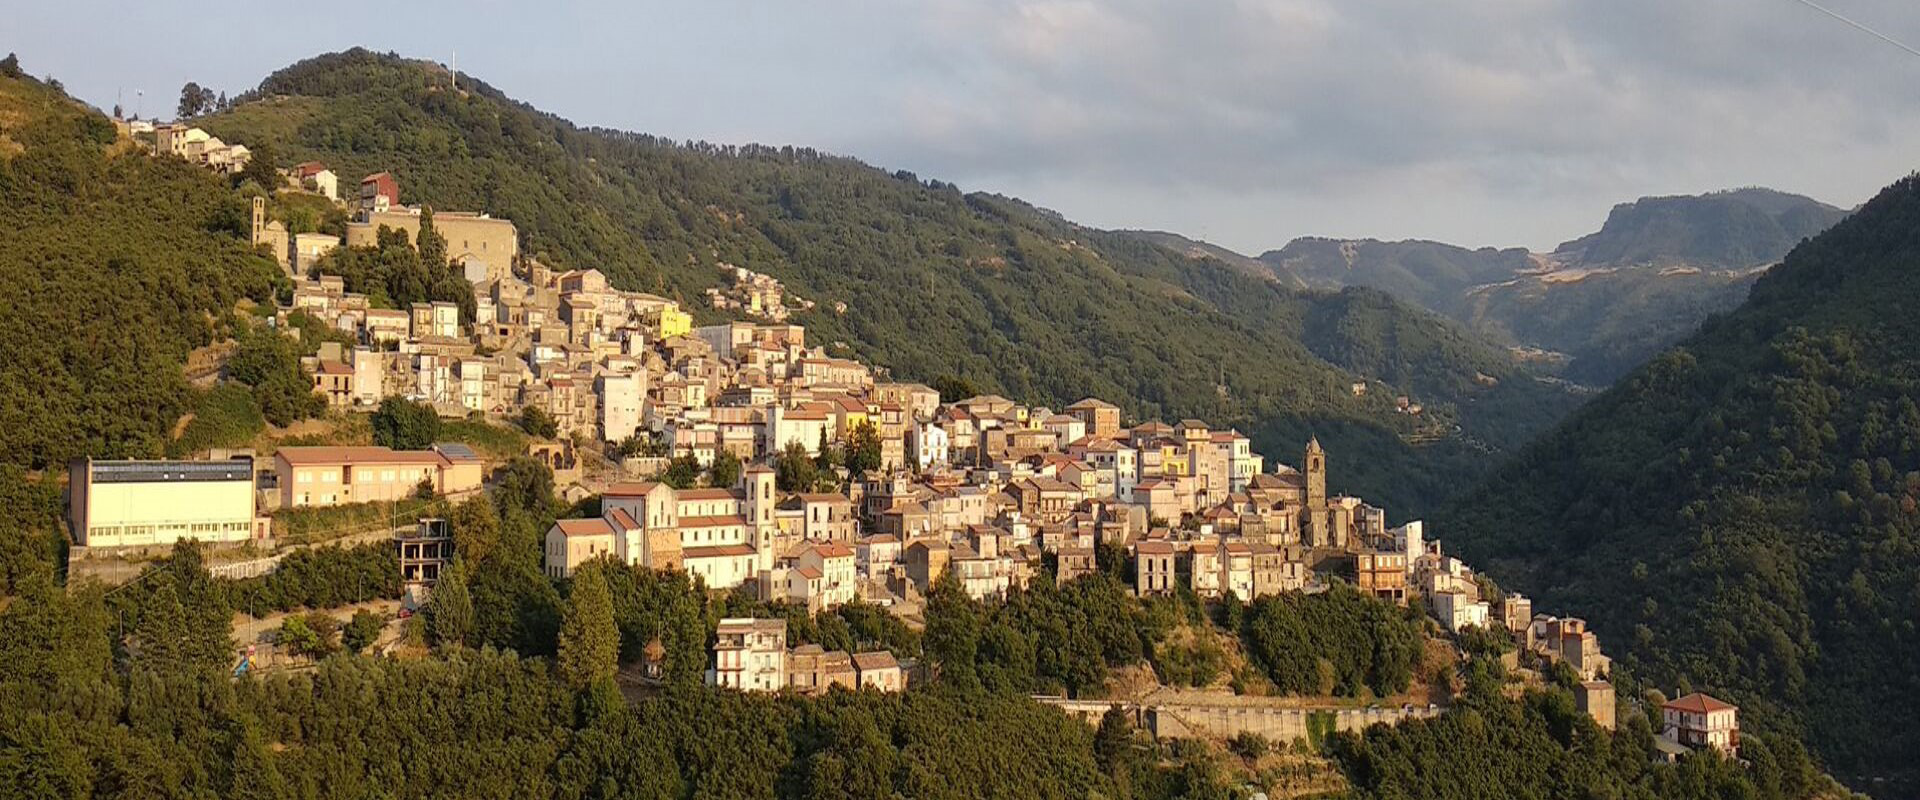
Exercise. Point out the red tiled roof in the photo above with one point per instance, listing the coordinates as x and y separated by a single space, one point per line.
583 527
720 521
710 494
308 456
623 519
629 489
877 659
833 550
1698 703
716 551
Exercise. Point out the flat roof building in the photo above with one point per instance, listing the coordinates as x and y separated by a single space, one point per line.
140 503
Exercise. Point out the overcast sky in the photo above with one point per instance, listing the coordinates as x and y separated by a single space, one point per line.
1481 122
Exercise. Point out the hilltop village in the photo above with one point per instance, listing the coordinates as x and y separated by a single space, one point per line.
825 481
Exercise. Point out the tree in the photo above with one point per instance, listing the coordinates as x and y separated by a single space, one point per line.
450 609
362 630
10 66
194 100
268 362
863 449
310 634
431 244
589 646
794 470
523 486
681 473
537 422
261 169
725 471
405 425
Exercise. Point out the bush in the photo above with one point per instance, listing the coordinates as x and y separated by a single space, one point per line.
405 425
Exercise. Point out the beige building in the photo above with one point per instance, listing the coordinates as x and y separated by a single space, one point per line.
1700 721
138 503
879 670
328 476
496 242
749 655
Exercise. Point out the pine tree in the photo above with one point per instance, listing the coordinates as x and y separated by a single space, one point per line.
432 245
589 640
450 611
162 629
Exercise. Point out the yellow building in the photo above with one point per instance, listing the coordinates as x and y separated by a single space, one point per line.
138 503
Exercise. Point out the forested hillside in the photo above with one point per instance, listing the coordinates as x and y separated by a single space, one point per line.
1742 515
1609 300
113 266
936 283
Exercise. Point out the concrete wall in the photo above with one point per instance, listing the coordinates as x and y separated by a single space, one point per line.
1184 721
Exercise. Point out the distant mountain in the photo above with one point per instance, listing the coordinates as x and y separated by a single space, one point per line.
936 283
1734 229
1742 513
1604 302
1197 249
1431 274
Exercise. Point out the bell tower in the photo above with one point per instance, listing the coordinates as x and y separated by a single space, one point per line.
1318 530
1316 469
259 229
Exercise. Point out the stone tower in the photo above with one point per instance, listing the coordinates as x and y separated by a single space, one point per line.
1316 469
259 229
1318 529
761 499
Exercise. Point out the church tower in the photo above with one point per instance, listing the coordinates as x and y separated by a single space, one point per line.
758 483
1318 530
1316 469
259 220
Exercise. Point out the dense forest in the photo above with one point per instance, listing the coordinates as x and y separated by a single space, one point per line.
1739 515
937 283
114 266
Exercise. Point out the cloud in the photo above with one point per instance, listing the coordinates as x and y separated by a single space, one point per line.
1577 103
1249 121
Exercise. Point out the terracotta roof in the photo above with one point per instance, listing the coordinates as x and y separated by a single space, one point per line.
1156 548
630 489
712 522
709 494
306 456
334 368
833 550
583 527
621 518
1092 402
884 538
808 572
823 497
1698 703
878 659
716 551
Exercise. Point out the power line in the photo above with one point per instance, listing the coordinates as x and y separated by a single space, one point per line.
1858 26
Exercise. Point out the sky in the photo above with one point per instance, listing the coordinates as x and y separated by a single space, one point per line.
1242 122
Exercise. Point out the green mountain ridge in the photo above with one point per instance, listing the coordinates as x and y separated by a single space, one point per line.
1609 300
937 282
1740 513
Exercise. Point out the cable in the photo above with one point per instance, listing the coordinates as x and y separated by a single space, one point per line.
1863 28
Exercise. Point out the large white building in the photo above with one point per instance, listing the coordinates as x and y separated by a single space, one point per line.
622 404
138 503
